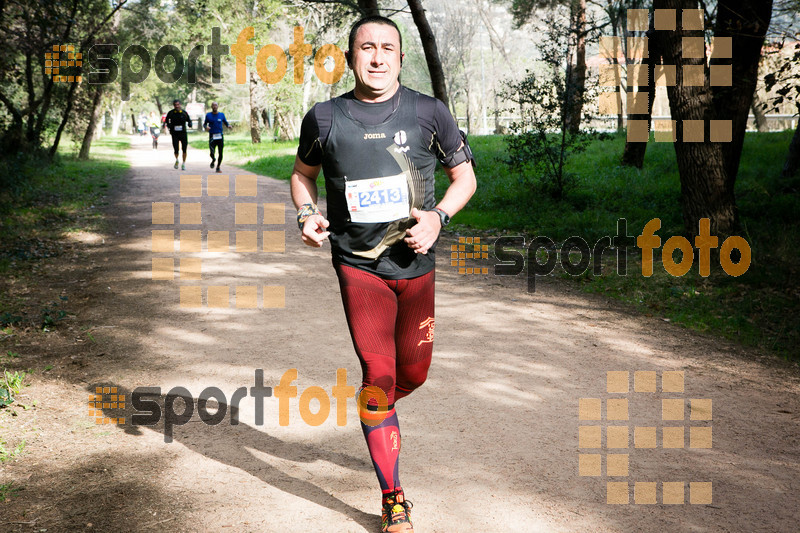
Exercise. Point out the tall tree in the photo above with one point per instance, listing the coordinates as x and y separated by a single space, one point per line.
431 50
36 102
783 81
429 47
89 134
523 11
110 34
234 17
577 65
708 166
634 152
746 23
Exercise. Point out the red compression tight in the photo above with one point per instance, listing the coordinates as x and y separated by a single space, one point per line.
391 324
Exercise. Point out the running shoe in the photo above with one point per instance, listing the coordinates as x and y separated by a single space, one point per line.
218 170
176 164
396 515
183 166
212 163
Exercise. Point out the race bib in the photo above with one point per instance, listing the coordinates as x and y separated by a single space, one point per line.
377 199
216 136
178 128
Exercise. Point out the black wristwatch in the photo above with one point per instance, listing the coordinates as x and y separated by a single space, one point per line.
444 218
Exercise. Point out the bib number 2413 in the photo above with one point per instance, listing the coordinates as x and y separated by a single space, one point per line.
378 200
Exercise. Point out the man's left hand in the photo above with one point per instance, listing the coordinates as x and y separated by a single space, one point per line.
422 236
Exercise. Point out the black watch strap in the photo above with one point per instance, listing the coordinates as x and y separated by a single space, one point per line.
444 218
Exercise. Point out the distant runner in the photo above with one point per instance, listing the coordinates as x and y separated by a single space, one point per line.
177 122
213 125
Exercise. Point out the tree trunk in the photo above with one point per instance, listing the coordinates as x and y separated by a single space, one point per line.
701 165
158 105
369 8
88 137
746 22
430 49
617 77
283 121
633 155
578 81
793 157
255 134
758 113
64 118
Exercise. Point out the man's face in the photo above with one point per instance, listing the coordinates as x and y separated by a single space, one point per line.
177 105
214 107
375 60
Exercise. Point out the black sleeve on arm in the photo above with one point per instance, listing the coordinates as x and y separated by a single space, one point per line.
309 149
189 118
445 136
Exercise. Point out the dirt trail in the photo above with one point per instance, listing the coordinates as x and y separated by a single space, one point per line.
490 442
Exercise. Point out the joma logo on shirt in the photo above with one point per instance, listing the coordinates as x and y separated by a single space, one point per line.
374 136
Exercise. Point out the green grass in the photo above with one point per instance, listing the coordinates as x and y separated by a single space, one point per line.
755 309
604 192
269 158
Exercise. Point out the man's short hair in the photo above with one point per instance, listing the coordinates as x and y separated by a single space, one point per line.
176 101
373 19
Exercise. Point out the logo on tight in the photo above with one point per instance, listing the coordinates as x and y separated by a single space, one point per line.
395 441
427 323
374 136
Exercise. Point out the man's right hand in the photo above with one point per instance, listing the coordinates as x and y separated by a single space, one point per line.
314 231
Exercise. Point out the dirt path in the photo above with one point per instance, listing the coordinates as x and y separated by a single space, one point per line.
490 443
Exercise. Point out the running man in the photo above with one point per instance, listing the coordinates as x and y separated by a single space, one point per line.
177 121
377 147
213 125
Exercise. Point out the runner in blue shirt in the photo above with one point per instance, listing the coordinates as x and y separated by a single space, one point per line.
213 125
